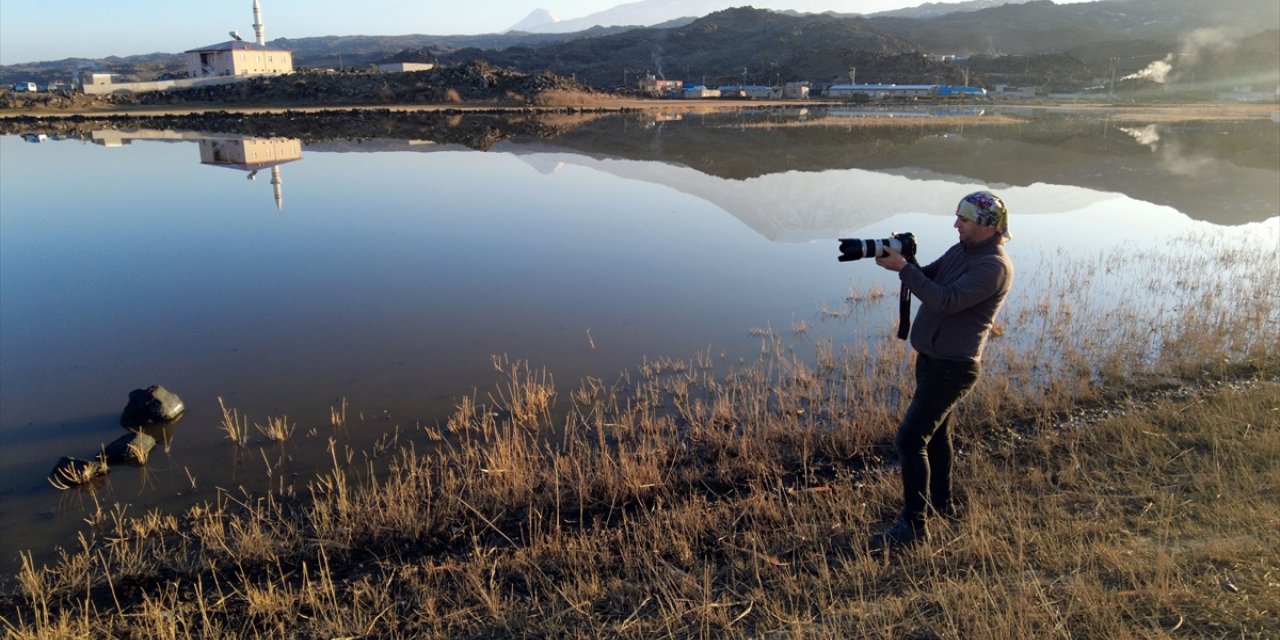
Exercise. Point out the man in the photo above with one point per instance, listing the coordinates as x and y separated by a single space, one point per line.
959 295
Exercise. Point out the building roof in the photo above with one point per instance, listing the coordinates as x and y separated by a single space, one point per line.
883 87
250 166
234 45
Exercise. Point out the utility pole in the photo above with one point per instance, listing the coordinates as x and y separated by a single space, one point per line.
1111 88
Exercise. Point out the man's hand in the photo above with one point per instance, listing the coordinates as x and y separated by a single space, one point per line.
892 260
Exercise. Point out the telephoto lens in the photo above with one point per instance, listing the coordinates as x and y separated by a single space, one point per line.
857 249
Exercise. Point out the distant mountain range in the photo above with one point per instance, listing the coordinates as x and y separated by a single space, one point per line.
648 13
1055 47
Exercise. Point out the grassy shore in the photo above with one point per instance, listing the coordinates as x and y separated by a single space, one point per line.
1117 466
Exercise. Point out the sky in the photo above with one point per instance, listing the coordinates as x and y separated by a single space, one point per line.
38 30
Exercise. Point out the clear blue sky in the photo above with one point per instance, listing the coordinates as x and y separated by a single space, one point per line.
34 30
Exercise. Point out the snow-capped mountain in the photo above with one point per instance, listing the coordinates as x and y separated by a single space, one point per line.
538 21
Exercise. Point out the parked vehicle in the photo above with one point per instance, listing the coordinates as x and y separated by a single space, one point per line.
25 86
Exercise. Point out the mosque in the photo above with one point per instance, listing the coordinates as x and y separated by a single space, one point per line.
222 63
236 57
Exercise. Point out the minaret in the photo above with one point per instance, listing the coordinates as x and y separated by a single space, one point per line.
275 185
259 29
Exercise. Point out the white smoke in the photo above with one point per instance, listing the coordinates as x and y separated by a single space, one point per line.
1208 39
1148 135
1194 45
1157 71
1172 156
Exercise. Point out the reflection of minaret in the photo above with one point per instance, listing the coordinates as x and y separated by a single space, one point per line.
275 186
253 155
259 30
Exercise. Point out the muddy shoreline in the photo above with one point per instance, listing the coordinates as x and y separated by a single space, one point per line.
572 104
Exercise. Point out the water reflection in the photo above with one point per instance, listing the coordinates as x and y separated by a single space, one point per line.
1220 172
613 240
241 153
253 155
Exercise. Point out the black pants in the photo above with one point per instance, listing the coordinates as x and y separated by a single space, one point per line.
924 437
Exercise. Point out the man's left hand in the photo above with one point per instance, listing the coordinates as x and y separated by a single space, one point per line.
892 260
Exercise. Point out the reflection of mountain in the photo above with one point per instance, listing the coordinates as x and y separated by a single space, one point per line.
800 206
243 153
792 175
1221 172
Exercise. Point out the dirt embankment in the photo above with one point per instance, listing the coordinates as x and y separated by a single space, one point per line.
474 84
479 86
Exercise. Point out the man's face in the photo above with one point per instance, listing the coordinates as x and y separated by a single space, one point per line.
972 233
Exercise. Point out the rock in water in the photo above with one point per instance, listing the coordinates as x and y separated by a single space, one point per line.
73 472
132 448
152 405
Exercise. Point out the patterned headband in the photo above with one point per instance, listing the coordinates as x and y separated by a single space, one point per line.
987 209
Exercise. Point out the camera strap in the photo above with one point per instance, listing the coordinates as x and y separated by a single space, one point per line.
904 306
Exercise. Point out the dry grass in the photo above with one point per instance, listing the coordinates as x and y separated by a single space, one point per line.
277 429
1118 468
236 428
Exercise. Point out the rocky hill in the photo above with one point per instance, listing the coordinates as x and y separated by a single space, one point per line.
472 83
1056 47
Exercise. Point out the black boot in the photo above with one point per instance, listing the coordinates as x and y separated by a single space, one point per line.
903 533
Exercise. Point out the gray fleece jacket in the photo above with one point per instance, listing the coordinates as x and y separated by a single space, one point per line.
959 295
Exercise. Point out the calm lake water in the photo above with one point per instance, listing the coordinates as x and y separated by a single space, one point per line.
287 277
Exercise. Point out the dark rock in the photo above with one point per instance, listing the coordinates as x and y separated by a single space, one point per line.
152 405
73 472
132 448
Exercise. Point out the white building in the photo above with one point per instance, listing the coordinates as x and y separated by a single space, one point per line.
657 86
238 58
397 67
880 91
699 92
796 90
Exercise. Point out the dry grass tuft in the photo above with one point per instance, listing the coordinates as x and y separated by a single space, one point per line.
236 428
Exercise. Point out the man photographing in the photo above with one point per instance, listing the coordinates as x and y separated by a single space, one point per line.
960 294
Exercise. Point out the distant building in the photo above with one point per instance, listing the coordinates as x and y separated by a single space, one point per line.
221 63
95 79
397 67
1250 93
699 92
1006 91
795 90
238 58
749 91
655 86
959 91
880 91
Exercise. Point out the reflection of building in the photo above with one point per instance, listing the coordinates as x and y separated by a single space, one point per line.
229 150
253 155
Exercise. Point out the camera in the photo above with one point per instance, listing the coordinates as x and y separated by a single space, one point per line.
856 249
